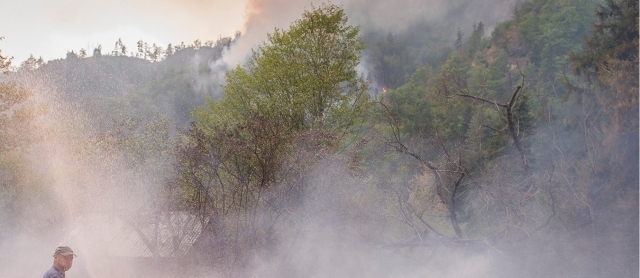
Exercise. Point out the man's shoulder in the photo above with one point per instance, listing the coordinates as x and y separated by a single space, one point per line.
53 273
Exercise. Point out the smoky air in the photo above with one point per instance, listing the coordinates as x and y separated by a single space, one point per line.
494 138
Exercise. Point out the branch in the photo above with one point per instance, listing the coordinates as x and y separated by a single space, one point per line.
492 128
485 100
513 97
401 148
510 123
512 130
454 218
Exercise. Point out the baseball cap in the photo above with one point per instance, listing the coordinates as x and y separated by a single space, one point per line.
64 251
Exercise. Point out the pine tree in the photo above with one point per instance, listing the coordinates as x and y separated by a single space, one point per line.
197 44
120 49
475 39
610 59
5 62
30 64
458 44
170 49
97 52
141 53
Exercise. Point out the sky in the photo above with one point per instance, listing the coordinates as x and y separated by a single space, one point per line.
49 29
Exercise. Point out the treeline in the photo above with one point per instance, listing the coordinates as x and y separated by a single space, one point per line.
519 146
154 52
144 51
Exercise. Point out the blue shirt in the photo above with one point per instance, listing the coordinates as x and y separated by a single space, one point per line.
53 273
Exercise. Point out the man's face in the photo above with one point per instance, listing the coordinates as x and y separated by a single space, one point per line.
65 262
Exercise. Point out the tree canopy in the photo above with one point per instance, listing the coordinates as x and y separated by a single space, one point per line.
610 59
298 93
304 76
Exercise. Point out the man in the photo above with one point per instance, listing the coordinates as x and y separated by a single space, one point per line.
62 261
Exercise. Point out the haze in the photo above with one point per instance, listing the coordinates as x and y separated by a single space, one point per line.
51 28
460 142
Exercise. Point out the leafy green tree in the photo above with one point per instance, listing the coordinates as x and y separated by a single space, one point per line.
305 77
298 94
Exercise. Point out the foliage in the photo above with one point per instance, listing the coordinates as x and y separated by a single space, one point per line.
566 141
5 62
24 196
488 145
611 59
316 75
393 57
286 109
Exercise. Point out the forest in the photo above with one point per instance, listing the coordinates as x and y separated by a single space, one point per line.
335 150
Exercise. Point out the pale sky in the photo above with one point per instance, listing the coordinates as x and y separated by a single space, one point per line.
50 28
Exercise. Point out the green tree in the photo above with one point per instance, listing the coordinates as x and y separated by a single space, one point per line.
458 43
611 60
298 94
305 76
609 63
474 43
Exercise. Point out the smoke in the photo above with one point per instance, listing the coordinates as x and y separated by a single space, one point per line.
263 16
334 232
82 192
208 83
191 19
63 172
51 28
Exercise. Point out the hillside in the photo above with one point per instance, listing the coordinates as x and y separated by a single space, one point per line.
432 150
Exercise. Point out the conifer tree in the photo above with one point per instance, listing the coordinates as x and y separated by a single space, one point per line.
610 59
5 61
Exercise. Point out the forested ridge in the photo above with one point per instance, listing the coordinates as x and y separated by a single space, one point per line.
425 152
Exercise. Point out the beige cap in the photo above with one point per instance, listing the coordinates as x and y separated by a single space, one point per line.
64 251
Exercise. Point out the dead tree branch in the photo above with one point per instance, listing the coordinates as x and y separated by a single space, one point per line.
510 122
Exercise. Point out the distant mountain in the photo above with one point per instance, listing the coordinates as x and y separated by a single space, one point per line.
108 88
